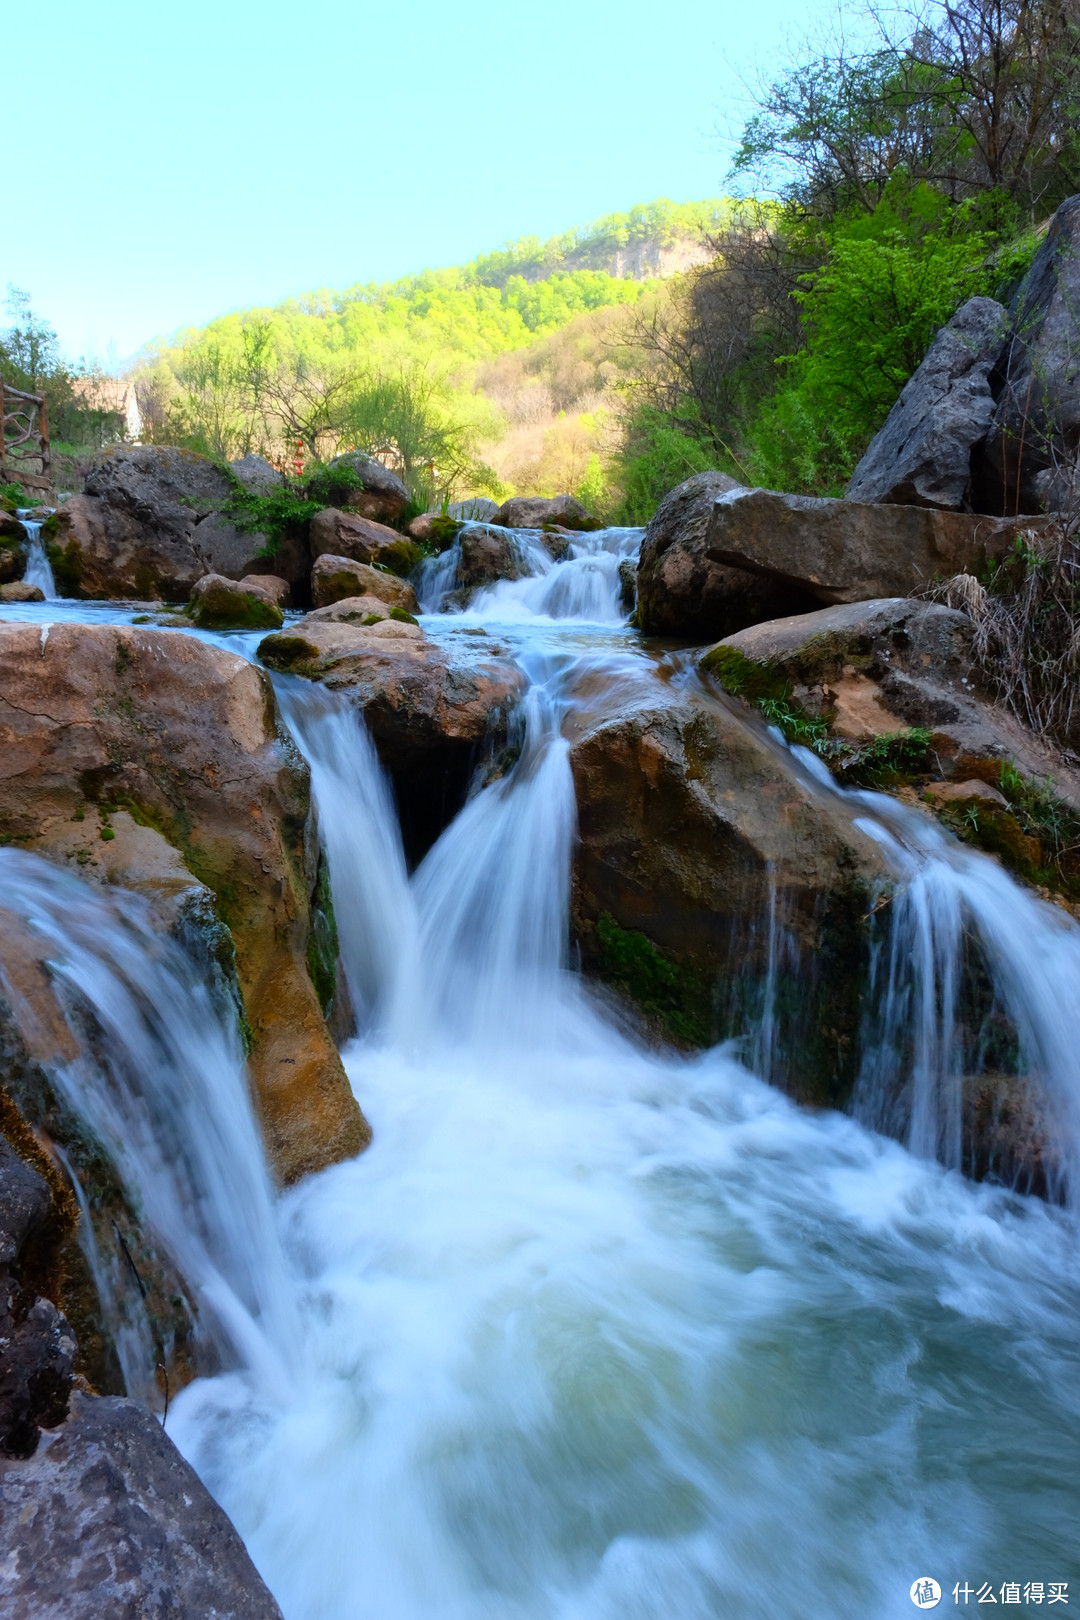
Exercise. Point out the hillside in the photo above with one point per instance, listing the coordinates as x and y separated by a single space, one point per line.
512 357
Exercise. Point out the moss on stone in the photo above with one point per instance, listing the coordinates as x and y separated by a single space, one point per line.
323 947
403 616
235 610
744 677
400 557
654 981
287 651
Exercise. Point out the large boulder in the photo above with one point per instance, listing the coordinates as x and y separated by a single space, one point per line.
536 511
922 455
149 525
1037 383
693 829
218 603
279 590
185 737
487 553
20 591
842 551
335 578
367 487
682 589
346 534
258 475
107 1519
432 713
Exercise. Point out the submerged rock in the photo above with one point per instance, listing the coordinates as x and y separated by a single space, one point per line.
108 1519
335 578
682 589
185 737
221 604
922 455
537 511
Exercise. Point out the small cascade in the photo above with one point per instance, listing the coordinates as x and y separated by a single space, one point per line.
160 1083
583 585
38 568
958 922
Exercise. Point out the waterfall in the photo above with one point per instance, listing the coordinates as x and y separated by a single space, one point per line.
160 1083
584 585
38 568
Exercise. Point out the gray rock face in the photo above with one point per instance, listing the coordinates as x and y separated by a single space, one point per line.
922 455
844 551
256 474
37 1347
682 589
533 511
1037 383
381 495
107 1519
477 509
148 526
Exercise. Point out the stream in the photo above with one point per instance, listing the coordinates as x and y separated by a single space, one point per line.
591 1332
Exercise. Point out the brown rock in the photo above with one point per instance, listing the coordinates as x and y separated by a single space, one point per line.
487 554
335 578
107 1519
218 603
534 511
961 792
843 551
689 816
19 591
420 527
186 736
381 494
346 534
682 590
364 610
279 590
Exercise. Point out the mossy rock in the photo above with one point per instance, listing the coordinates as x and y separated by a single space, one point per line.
239 610
443 532
401 556
743 677
288 652
403 616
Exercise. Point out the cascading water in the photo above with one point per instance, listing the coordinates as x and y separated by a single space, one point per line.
38 568
592 1333
161 1085
584 585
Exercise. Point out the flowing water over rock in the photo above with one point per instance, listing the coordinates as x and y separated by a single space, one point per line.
591 1331
38 568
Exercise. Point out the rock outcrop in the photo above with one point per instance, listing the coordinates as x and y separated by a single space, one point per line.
184 736
218 603
691 822
1036 420
536 511
686 592
148 526
346 534
367 487
431 713
106 1518
922 455
335 578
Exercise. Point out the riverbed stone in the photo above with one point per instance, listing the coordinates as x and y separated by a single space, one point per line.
185 736
19 591
348 534
537 511
335 578
107 1519
218 603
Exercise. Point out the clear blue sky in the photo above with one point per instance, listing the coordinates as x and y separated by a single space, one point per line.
178 160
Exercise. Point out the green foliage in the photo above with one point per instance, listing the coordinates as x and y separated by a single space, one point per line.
284 509
12 496
656 454
657 984
884 761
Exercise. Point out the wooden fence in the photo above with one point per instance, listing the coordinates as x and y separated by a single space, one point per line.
24 438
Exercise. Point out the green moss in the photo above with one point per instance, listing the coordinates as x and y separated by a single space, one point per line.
744 677
287 651
322 946
371 618
402 616
1037 835
658 984
67 564
106 834
400 557
241 611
